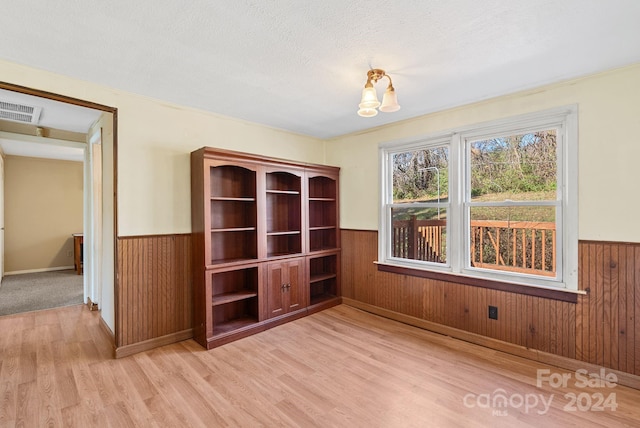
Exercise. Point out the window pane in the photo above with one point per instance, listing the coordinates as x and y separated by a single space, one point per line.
419 234
516 239
516 167
421 175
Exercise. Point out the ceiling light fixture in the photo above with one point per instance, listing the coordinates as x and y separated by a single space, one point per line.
369 102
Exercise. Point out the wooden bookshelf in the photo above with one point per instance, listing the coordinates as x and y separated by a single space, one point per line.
259 226
323 273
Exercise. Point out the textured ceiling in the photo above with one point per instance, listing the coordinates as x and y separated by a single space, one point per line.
301 65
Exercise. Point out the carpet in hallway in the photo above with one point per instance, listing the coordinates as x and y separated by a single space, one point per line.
43 290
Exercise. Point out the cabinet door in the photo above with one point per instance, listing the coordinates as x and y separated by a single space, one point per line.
294 296
285 287
275 289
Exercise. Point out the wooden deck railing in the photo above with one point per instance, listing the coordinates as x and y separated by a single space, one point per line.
515 246
419 239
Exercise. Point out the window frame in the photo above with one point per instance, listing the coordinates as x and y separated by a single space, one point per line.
440 141
458 140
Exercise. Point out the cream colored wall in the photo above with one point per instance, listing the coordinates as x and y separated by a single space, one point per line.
154 142
609 150
154 139
43 207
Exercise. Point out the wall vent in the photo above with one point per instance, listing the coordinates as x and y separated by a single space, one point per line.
19 112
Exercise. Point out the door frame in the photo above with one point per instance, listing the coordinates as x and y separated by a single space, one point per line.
114 112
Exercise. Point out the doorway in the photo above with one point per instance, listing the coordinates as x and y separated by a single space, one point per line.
43 207
98 174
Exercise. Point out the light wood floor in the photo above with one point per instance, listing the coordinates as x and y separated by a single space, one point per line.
338 368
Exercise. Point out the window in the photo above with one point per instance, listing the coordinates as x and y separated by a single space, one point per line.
495 201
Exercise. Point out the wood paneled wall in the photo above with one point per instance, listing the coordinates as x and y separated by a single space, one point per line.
599 329
609 315
154 298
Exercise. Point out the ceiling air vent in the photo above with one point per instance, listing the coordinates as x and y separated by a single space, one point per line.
19 112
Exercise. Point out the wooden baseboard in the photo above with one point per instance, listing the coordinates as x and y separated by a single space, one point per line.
625 379
104 328
124 351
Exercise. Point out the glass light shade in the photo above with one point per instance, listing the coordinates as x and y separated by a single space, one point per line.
367 112
369 98
389 101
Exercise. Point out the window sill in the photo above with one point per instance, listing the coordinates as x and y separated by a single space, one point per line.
570 296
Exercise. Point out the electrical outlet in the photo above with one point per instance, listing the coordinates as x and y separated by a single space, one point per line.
69 253
493 312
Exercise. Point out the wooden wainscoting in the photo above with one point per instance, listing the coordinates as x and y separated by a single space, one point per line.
599 329
609 315
154 303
